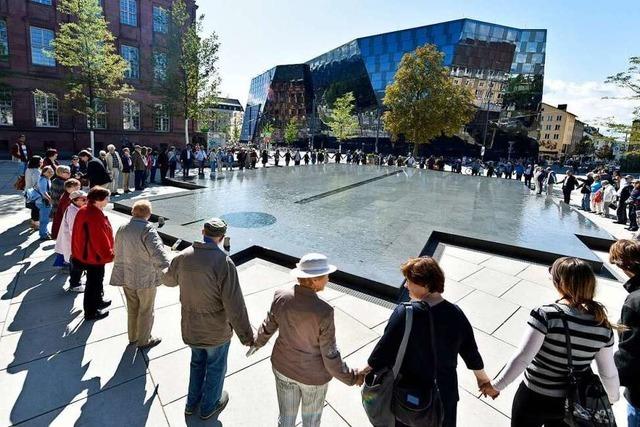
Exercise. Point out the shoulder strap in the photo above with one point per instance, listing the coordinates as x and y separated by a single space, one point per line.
408 323
567 339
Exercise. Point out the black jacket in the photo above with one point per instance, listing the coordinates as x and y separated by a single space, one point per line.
625 193
97 173
628 355
570 183
453 337
586 185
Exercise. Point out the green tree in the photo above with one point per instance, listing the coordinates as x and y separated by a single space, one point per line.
85 46
629 79
190 83
234 131
291 131
341 118
584 147
423 102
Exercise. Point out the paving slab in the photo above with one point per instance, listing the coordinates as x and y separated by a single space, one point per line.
477 413
456 268
513 329
133 403
506 265
530 295
455 291
537 273
491 281
486 312
43 385
365 312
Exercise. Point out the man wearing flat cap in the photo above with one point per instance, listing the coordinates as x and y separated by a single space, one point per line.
212 308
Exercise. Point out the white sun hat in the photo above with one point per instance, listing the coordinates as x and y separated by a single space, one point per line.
313 265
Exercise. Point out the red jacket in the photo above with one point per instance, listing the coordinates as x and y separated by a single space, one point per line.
92 237
63 204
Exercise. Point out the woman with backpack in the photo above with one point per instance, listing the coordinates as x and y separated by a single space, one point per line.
31 176
452 336
544 355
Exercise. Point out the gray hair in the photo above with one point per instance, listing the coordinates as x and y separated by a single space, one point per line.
111 147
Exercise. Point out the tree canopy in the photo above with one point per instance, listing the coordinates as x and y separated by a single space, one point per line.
629 79
291 131
341 118
85 46
423 102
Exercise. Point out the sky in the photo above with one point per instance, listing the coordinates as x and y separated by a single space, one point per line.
587 40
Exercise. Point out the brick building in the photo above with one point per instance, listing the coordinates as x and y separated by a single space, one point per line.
26 30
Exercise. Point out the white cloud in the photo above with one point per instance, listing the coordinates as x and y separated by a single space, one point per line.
585 99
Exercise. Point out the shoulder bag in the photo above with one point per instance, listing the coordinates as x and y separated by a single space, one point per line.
587 403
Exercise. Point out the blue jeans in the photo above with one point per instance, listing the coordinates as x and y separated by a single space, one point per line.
633 416
208 368
586 201
45 211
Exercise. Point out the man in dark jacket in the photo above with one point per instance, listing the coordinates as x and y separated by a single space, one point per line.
186 157
96 172
586 192
569 183
626 255
623 195
139 168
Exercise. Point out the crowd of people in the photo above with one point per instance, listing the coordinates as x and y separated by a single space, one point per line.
561 338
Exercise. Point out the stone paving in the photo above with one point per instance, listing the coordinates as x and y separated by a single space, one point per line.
55 369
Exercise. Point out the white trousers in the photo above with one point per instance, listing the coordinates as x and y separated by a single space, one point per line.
115 177
290 393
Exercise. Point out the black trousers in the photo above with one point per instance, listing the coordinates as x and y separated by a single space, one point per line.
172 170
527 180
35 214
75 273
621 213
163 173
633 216
186 165
567 195
531 409
138 180
93 289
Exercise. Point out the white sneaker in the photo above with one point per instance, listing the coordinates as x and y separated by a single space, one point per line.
78 289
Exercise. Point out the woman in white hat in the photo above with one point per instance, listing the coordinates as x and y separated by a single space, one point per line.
305 356
63 242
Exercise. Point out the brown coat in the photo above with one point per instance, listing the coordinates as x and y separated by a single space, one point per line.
305 349
210 294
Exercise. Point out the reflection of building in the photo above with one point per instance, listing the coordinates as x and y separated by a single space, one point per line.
226 124
556 131
26 31
503 66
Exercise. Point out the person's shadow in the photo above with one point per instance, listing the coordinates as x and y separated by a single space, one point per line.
121 403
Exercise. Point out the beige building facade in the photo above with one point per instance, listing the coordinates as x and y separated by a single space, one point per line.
556 131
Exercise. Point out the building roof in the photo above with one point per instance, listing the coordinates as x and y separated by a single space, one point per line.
555 107
228 104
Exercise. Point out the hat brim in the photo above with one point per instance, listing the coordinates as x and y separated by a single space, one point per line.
300 274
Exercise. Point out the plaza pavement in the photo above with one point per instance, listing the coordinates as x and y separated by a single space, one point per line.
55 369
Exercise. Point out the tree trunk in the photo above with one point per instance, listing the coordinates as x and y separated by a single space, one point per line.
186 132
93 142
415 149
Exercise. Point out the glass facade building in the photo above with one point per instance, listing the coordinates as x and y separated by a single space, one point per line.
502 66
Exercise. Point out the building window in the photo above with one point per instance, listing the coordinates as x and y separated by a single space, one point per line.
130 115
129 12
557 127
556 136
132 56
6 108
47 2
4 40
101 115
159 66
160 20
161 119
558 118
46 109
546 136
548 127
41 51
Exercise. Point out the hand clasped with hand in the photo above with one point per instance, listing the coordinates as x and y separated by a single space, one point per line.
487 389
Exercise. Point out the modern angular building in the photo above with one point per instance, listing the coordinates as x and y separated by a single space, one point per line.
32 83
503 66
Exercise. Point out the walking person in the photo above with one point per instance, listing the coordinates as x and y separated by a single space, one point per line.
22 152
543 354
276 157
31 177
139 259
296 158
114 167
265 158
163 164
78 199
623 193
452 334
596 195
625 254
186 158
608 197
212 308
305 356
173 162
569 183
528 175
586 192
92 249
63 173
549 180
70 185
287 157
634 204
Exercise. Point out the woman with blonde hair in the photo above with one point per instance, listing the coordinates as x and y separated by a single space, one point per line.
544 355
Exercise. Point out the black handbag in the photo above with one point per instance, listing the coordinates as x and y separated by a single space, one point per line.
420 407
587 403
